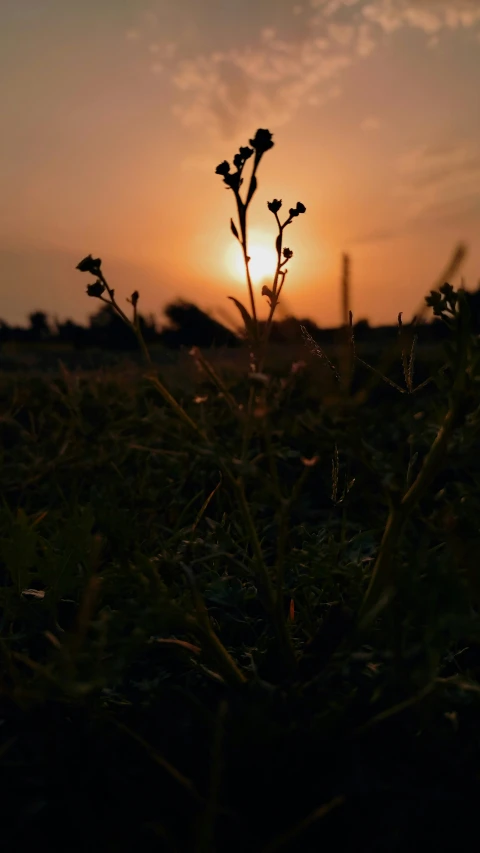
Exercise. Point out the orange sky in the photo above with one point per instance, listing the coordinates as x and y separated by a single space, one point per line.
115 114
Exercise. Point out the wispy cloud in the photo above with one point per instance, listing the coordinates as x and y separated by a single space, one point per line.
257 84
436 165
437 181
278 72
376 235
434 184
431 16
370 123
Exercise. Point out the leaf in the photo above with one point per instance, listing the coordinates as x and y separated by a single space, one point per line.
251 190
267 291
19 552
34 593
182 643
247 320
262 378
205 504
234 229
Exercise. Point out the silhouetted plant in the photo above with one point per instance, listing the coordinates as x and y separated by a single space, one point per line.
261 143
460 385
97 289
39 326
192 327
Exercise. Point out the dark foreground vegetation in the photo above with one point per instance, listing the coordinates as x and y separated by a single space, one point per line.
242 612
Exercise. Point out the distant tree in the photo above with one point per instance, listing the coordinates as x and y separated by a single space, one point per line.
39 328
189 326
310 326
474 304
148 328
362 330
108 330
5 333
72 333
288 331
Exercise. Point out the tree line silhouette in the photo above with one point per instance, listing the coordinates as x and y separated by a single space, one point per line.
187 325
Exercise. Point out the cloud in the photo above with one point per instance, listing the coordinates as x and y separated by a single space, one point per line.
257 84
452 210
365 41
370 123
342 34
435 181
150 19
423 19
436 164
436 185
277 73
429 17
377 235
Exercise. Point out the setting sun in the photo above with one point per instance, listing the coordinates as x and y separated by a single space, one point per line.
263 260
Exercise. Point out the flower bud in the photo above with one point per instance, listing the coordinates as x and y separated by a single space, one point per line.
262 141
89 264
274 205
223 168
95 289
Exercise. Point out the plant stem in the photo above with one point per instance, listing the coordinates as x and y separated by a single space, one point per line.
383 576
271 600
224 662
143 346
135 326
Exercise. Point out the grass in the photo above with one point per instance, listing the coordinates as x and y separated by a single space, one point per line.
240 610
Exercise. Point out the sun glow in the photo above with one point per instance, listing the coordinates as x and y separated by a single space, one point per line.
262 265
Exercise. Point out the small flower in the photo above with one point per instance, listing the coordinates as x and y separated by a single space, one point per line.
262 141
246 152
223 168
232 180
296 211
242 156
274 205
95 289
89 264
434 300
134 298
287 254
447 290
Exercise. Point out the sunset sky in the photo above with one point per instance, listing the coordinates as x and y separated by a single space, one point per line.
115 113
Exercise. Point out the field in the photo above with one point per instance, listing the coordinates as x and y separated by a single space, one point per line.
188 659
239 590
